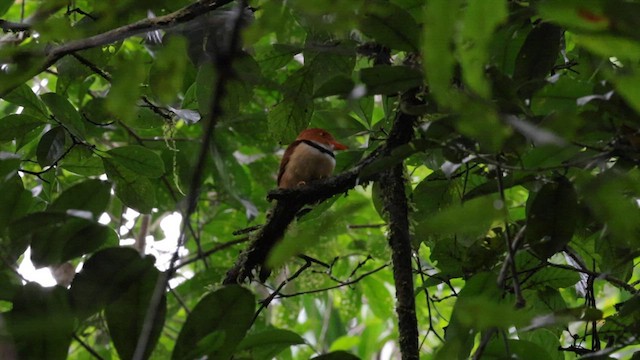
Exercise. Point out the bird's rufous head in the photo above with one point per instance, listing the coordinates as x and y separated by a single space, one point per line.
321 136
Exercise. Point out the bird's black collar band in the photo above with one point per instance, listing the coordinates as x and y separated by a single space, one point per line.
319 148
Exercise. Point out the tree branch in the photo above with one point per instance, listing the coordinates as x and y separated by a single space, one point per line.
394 199
54 53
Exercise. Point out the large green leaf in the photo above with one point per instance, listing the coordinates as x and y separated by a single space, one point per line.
16 201
269 343
537 57
65 113
17 125
52 146
216 325
24 96
293 113
390 80
138 159
82 161
166 74
551 218
5 5
127 316
56 237
480 20
391 26
472 217
441 22
91 195
41 322
105 277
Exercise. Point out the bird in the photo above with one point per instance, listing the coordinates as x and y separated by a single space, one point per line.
310 157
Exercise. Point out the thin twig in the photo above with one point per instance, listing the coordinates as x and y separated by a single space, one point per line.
520 301
211 252
265 303
346 283
87 347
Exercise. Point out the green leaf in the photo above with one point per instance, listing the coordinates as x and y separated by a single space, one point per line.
5 5
25 97
472 217
293 113
16 202
124 93
168 69
92 195
268 343
41 323
58 237
585 15
127 315
546 339
82 161
51 146
65 113
105 276
139 160
390 80
536 58
480 20
228 311
626 84
390 26
609 45
521 349
17 125
551 218
274 57
10 284
135 191
441 21
552 277
459 336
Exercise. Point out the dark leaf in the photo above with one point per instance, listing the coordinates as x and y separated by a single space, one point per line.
52 146
56 237
227 312
41 323
16 201
64 113
127 315
551 218
17 125
390 80
105 277
537 57
139 160
269 343
336 355
91 195
391 26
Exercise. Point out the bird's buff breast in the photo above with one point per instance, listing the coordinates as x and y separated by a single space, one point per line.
307 164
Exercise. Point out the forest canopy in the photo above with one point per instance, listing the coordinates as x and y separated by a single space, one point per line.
487 206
